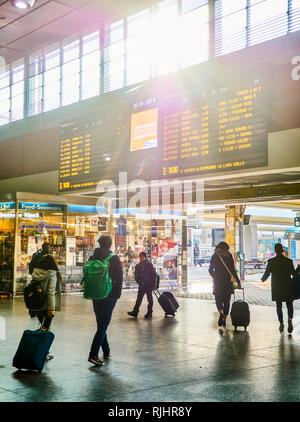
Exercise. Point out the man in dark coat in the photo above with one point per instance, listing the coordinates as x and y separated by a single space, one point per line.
222 269
281 269
145 276
104 308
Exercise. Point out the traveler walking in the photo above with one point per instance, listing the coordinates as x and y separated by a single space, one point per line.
224 276
281 269
145 276
45 270
103 308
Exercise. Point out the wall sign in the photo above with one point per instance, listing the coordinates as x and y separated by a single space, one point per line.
7 206
30 206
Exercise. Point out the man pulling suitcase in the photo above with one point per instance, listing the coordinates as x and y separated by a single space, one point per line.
145 276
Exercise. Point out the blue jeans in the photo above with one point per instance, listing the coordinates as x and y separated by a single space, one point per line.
103 310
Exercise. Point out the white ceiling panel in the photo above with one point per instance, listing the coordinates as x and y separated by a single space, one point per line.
24 31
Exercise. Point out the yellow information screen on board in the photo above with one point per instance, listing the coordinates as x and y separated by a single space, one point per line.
144 128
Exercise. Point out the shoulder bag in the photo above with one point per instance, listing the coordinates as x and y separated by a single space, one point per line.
232 277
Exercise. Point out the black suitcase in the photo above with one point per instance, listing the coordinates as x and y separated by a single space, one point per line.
168 302
240 313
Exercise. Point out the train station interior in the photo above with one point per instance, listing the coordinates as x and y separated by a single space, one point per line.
170 126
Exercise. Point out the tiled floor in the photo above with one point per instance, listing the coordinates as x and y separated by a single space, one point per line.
183 359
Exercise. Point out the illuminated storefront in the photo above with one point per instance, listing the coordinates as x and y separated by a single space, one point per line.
7 236
38 223
72 232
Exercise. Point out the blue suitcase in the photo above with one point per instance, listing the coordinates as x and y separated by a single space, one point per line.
33 350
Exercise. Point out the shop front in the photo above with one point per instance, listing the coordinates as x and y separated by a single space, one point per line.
38 223
84 226
7 239
72 232
157 235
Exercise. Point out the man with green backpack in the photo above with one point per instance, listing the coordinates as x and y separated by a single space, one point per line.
103 278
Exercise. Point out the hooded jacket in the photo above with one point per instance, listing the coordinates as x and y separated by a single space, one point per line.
50 282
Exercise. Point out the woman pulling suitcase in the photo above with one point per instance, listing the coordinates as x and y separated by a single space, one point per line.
224 276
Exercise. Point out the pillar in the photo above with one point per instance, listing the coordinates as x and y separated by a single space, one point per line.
184 254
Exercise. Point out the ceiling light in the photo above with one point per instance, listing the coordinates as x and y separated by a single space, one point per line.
22 4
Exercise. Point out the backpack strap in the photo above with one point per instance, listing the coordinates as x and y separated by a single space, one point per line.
108 257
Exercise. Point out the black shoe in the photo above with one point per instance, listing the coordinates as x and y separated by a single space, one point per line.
290 326
148 316
224 323
220 322
132 313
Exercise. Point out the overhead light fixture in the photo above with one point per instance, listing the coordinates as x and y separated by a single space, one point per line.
22 4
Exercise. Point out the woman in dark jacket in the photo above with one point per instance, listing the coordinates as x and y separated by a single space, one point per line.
223 286
281 270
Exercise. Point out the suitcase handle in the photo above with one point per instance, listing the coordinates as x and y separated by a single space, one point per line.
243 293
157 296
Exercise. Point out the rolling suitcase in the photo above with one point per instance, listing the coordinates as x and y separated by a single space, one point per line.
168 302
240 313
33 350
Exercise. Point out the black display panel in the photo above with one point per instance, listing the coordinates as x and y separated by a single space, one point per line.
169 134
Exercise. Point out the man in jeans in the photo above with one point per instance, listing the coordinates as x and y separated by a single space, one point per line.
103 308
145 276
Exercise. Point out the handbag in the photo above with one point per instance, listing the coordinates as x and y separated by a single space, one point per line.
232 277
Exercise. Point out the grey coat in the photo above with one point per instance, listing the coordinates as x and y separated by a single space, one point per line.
51 282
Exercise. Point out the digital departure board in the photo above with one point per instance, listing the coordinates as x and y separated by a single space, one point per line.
167 135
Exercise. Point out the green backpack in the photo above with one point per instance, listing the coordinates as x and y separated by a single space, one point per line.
97 281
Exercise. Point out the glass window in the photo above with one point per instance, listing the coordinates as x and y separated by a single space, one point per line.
194 32
268 20
4 96
90 65
230 26
7 240
51 98
295 15
4 112
138 47
17 90
114 56
35 83
70 72
166 38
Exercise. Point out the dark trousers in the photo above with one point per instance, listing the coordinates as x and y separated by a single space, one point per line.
141 292
290 309
44 319
223 302
103 310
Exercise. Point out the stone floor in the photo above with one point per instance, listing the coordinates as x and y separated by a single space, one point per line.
162 360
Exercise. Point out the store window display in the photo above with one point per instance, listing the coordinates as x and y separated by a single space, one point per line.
7 238
85 226
158 238
39 223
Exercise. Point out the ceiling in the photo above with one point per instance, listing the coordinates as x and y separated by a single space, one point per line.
25 31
